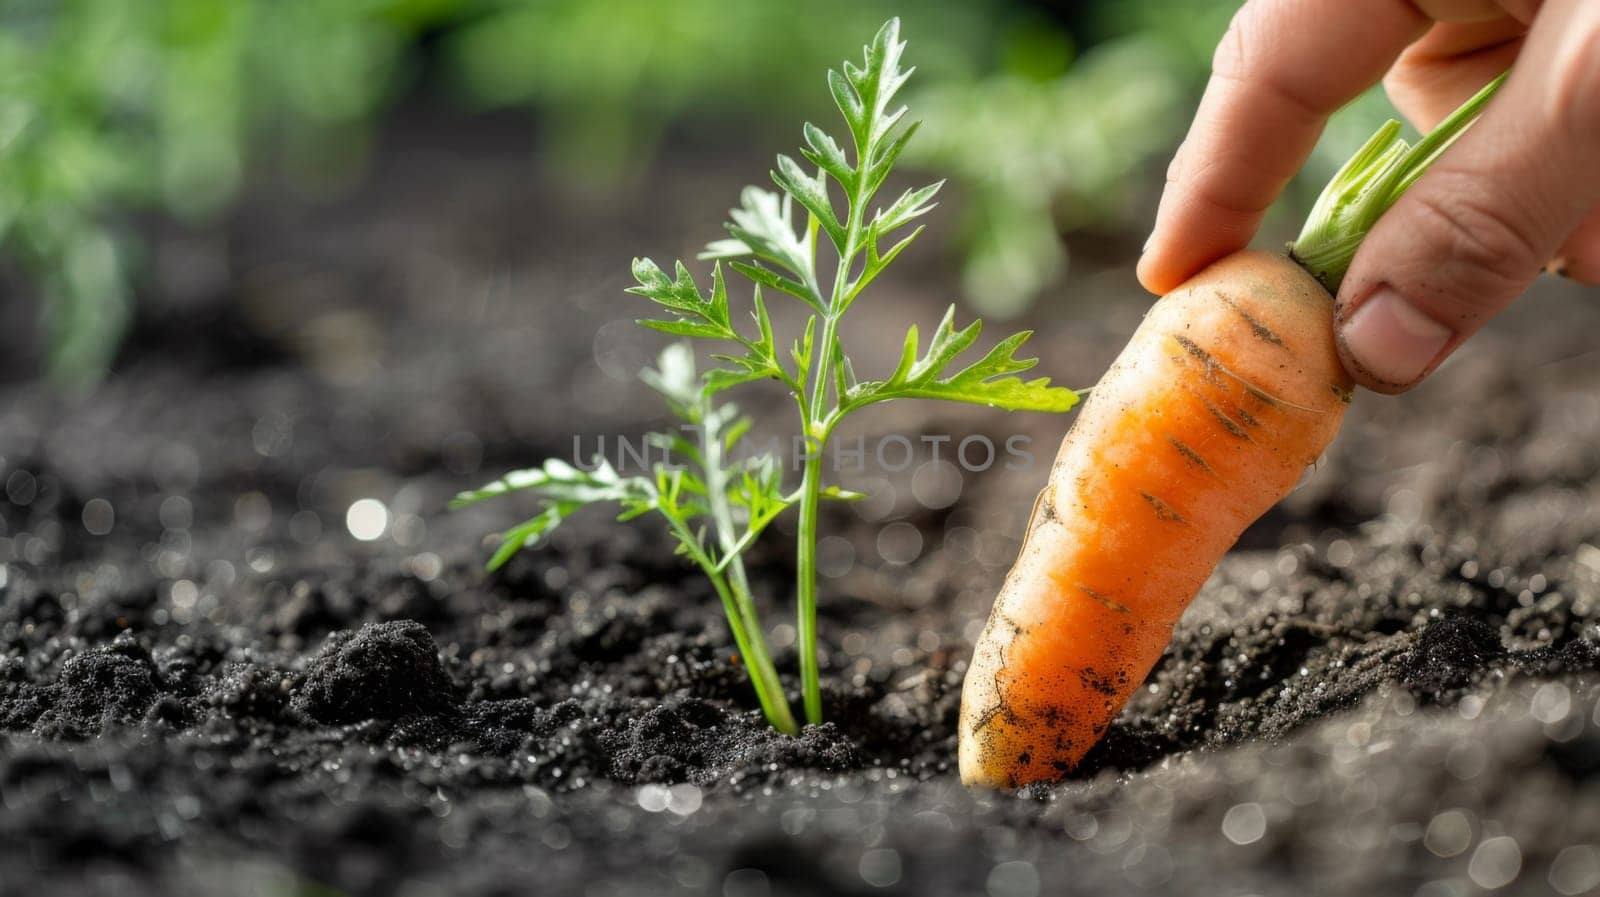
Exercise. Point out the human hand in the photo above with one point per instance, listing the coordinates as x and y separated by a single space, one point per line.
1519 192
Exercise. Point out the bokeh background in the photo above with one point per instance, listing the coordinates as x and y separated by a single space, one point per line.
121 119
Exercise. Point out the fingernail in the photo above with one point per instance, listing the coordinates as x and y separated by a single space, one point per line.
1559 267
1389 339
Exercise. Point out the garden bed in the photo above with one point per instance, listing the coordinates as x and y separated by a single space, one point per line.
208 684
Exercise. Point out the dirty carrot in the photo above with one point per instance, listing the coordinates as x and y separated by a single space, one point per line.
1228 390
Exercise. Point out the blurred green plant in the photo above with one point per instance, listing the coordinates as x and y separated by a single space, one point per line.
608 78
108 106
1036 158
1188 31
111 107
1055 143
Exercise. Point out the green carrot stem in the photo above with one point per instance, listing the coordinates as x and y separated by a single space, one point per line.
739 604
774 706
769 688
1368 185
763 677
806 586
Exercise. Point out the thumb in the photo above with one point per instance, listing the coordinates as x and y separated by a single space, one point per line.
1478 227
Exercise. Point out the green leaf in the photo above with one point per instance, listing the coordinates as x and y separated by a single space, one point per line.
812 193
882 158
763 320
1011 393
849 103
759 491
882 262
760 361
801 352
673 375
763 276
864 92
719 379
911 205
675 443
988 381
632 510
736 432
697 315
685 328
823 151
908 356
726 248
565 489
763 226
527 533
947 343
560 481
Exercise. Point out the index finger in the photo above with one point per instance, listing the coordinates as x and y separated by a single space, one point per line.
1282 69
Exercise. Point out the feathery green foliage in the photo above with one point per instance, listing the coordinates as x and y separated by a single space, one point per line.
714 506
774 239
771 248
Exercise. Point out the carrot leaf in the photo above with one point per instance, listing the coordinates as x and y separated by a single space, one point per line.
559 481
715 503
773 248
988 381
762 231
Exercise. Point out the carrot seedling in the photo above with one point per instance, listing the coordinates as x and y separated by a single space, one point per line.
1229 389
774 240
698 491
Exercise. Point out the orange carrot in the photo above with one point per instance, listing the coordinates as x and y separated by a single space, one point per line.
1229 389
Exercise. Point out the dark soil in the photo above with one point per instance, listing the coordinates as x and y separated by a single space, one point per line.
1390 687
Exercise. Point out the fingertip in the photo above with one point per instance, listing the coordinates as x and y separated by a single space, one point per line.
1150 274
1163 266
1160 273
1154 257
1167 265
1371 384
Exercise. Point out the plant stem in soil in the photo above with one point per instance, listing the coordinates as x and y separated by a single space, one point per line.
762 675
806 585
740 605
819 424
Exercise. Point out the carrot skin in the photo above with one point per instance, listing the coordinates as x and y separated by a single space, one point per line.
1229 389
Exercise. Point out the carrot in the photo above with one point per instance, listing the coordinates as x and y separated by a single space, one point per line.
1228 390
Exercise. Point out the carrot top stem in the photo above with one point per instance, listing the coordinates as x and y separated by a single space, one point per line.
1368 185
